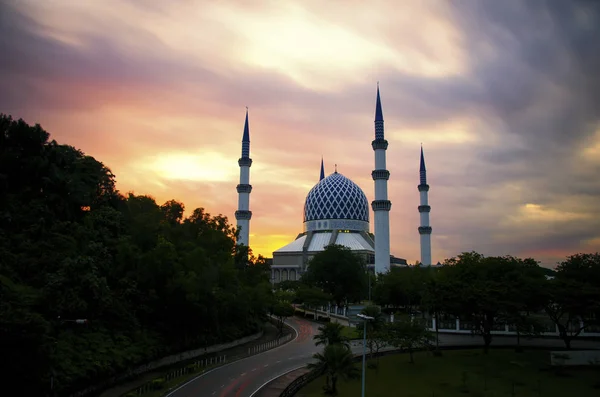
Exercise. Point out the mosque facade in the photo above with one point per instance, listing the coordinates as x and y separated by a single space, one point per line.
336 211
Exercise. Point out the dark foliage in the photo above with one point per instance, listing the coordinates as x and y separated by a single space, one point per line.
148 281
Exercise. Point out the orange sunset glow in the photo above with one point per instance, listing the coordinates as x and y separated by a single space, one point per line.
157 91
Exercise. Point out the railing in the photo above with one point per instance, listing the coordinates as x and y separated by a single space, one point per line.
451 324
269 345
158 384
302 381
210 362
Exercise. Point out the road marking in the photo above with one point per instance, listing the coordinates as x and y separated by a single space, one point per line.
254 369
272 379
277 362
266 365
296 334
243 374
214 393
291 358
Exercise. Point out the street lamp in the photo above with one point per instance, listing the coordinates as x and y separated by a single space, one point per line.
76 321
365 318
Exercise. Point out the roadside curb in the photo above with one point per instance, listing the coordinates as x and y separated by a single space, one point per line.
357 356
274 379
294 334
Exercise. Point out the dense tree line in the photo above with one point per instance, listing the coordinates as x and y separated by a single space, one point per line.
489 293
148 281
485 293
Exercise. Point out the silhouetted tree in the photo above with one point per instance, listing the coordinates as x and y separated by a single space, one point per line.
338 272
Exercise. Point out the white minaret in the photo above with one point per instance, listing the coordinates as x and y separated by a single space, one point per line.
424 209
243 214
381 205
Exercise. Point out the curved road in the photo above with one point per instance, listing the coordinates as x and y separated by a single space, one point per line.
244 377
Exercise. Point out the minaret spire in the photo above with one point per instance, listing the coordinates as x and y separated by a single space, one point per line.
246 138
422 170
424 209
322 176
243 214
381 205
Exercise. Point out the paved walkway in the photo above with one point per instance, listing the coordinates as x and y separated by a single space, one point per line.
234 353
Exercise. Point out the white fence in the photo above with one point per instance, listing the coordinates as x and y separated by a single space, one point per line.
269 345
449 325
169 360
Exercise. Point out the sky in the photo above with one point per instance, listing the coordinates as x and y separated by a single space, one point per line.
503 95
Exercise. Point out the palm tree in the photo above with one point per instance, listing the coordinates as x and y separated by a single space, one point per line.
331 334
337 362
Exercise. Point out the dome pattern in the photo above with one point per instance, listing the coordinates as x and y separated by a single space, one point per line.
336 197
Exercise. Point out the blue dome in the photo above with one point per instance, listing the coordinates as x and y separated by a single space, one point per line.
336 197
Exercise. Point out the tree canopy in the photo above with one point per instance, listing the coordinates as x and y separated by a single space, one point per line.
489 293
338 272
149 281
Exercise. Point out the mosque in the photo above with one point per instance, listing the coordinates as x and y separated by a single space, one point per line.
336 211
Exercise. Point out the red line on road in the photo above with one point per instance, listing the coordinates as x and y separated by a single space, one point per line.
241 389
229 388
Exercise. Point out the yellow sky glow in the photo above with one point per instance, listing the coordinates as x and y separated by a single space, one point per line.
165 109
538 213
209 167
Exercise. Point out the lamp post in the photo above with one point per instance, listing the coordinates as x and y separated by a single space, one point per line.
369 279
365 319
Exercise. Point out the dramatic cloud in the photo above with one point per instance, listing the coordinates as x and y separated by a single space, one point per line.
504 96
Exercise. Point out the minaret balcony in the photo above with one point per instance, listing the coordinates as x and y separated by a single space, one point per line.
424 208
381 205
425 229
379 144
243 215
244 188
423 188
245 162
380 174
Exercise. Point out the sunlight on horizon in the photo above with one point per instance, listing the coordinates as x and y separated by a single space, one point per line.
211 166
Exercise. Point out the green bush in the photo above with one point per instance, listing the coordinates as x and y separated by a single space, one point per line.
158 384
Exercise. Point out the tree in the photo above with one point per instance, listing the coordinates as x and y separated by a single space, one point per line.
483 290
402 287
282 310
337 362
377 335
331 334
312 297
529 285
288 285
574 297
150 281
338 272
434 301
409 334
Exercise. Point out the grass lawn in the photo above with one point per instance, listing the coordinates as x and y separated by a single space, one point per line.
350 332
468 373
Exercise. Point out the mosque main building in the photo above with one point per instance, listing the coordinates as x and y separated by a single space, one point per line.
336 211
